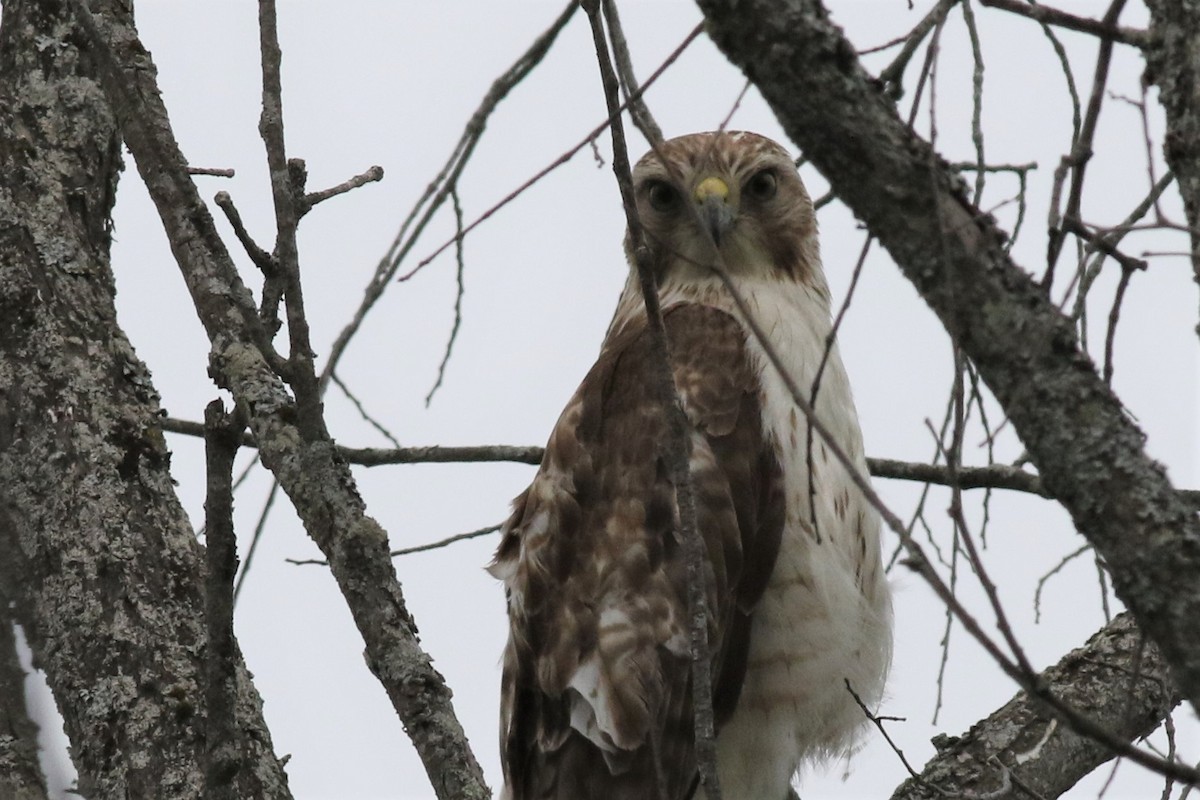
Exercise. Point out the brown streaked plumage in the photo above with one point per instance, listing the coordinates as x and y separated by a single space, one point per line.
596 695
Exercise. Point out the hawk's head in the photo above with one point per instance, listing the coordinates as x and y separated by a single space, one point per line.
731 199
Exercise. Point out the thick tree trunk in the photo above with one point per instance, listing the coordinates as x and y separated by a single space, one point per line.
286 419
1173 64
101 558
1087 449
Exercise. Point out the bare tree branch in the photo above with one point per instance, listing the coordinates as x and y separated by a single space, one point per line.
1052 16
997 476
1023 748
370 176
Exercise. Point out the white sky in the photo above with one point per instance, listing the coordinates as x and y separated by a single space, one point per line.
392 83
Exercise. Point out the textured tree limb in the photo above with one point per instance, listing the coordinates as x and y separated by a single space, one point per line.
1087 451
1119 677
302 457
95 549
223 759
1173 64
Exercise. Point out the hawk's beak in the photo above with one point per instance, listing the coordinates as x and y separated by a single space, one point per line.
712 199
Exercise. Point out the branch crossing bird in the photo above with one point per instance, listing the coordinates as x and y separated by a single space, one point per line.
596 697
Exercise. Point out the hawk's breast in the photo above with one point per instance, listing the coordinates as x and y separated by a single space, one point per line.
825 617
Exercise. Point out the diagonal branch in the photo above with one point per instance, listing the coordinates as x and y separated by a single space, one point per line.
1052 16
1117 676
1088 452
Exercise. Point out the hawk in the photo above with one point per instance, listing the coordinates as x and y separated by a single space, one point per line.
596 697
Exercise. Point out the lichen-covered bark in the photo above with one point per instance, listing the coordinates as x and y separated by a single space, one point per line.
1118 677
1088 451
99 555
1173 64
294 445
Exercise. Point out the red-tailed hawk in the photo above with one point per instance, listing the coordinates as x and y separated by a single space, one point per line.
596 696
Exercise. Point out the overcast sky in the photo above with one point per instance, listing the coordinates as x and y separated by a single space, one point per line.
393 83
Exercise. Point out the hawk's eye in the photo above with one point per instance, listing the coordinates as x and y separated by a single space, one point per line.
662 196
762 186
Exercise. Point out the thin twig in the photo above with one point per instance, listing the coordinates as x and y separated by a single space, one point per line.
892 76
449 540
420 548
877 721
458 296
261 258
272 291
362 411
1101 244
1042 581
216 172
312 198
830 339
259 528
639 112
1081 148
1106 30
1114 316
1112 237
976 100
1147 139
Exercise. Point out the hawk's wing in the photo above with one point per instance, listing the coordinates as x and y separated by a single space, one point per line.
596 698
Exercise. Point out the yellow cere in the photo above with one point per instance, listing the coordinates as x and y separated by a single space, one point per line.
710 187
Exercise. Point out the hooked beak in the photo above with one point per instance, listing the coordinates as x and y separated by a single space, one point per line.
712 199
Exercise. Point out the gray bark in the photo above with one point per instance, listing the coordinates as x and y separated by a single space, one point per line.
1088 452
292 439
102 561
1118 677
1173 64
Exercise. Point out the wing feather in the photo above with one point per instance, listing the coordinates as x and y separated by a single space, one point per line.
596 688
